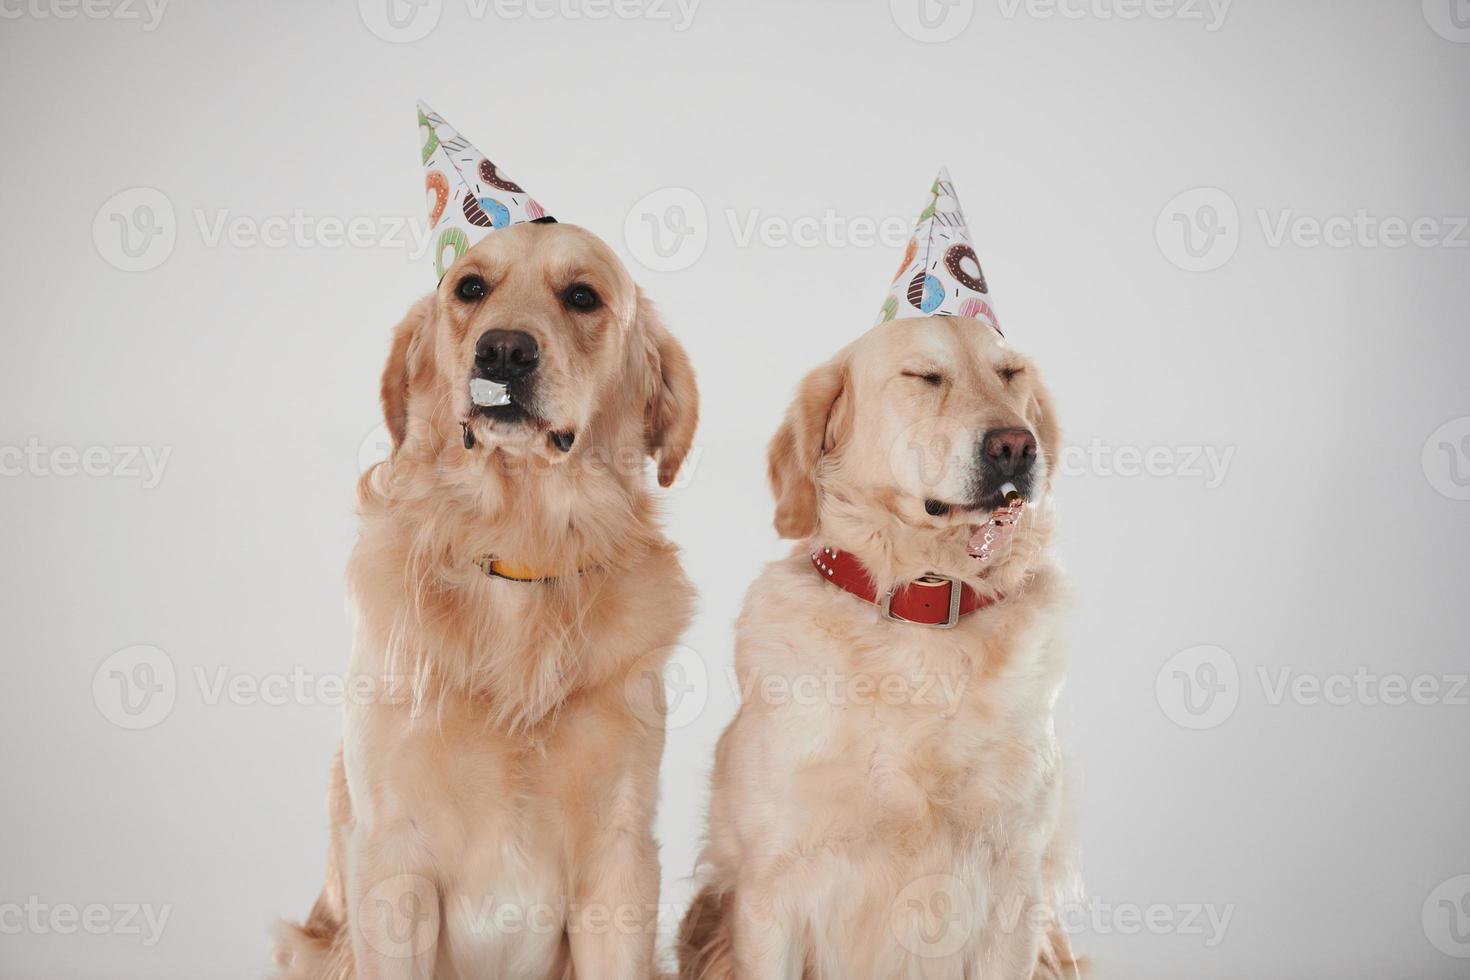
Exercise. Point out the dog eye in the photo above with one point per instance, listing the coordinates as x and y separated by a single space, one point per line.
930 377
1007 373
582 297
470 288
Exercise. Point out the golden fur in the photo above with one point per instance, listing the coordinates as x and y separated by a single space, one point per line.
492 803
905 817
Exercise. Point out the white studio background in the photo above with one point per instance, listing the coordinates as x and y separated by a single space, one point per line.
1232 234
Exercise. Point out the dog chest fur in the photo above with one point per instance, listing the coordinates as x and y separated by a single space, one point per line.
915 756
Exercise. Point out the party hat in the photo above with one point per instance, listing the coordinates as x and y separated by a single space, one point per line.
941 274
468 197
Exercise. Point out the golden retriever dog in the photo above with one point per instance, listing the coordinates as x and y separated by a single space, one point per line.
888 802
492 803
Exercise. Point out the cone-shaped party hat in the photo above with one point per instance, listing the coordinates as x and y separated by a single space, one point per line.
941 274
468 197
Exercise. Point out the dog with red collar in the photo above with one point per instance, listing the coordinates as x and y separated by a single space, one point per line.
890 802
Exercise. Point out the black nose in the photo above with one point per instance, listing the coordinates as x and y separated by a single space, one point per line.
503 355
1011 451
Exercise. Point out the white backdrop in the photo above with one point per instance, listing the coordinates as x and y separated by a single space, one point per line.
1232 234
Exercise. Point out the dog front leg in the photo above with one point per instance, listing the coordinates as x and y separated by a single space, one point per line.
613 926
766 946
393 902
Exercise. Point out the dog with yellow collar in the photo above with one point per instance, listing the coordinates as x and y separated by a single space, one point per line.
514 597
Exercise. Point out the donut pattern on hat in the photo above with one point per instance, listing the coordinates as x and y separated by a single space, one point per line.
469 197
941 273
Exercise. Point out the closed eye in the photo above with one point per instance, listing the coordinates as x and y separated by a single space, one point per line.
930 377
1007 373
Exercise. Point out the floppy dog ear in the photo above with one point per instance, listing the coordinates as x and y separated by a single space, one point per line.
671 411
404 367
816 423
1041 415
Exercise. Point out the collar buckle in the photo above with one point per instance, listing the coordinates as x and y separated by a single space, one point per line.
929 581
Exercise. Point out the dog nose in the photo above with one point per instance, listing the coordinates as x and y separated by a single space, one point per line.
1011 451
503 355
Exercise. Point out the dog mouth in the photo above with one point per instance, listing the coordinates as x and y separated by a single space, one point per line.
511 414
987 500
515 416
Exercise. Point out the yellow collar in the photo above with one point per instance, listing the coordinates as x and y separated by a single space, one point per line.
500 568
